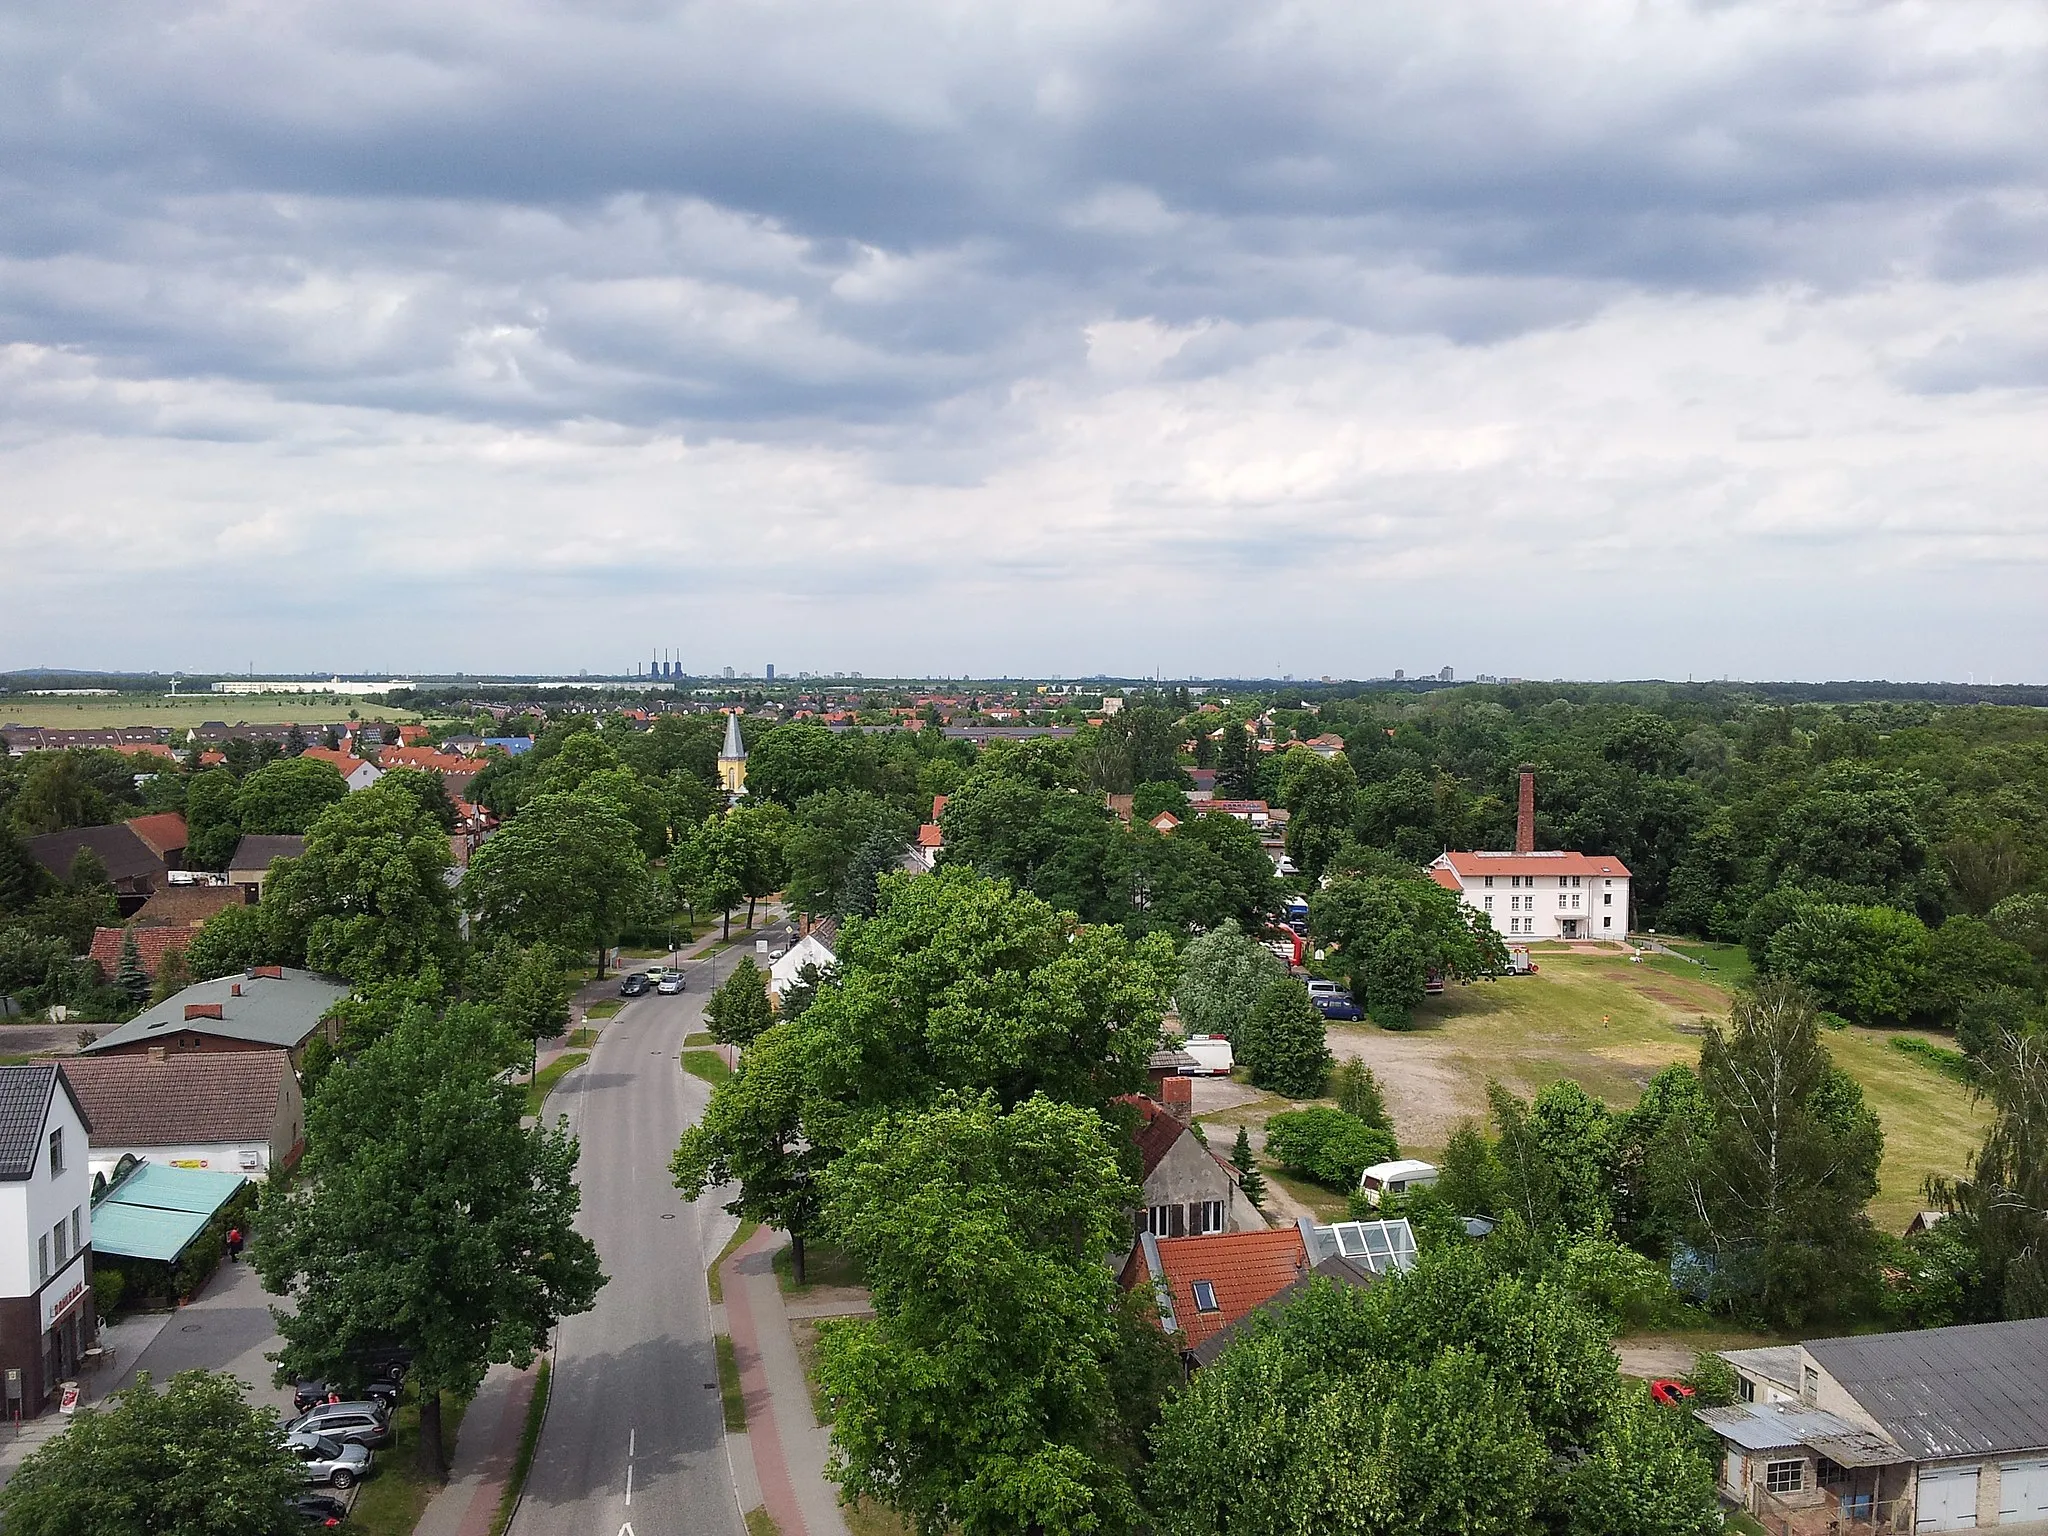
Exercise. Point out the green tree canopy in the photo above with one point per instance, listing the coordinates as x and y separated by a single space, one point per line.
567 870
232 940
285 796
826 838
1284 1045
425 1216
790 763
1327 1146
739 1010
196 1459
1772 1191
1390 936
368 898
988 1395
1321 796
1223 974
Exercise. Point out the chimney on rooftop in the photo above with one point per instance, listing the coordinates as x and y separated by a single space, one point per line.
235 990
1525 812
158 1053
1177 1095
202 1010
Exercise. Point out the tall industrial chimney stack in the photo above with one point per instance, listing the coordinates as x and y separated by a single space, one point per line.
1525 812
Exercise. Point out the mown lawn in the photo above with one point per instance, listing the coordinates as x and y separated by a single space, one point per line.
390 1500
538 1090
1611 1025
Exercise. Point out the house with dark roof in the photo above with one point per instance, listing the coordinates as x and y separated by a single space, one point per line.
1943 1429
135 869
266 1008
151 945
46 1308
236 1112
1189 1190
249 865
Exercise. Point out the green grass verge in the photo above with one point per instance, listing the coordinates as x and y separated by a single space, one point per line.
1951 1064
529 1437
729 1393
715 1277
864 1517
392 1499
607 1009
699 1037
761 1523
1327 1205
824 1264
708 1065
538 1090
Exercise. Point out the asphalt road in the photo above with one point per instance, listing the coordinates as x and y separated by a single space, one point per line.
634 1432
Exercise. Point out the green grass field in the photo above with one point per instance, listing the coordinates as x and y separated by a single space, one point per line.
1611 1025
191 709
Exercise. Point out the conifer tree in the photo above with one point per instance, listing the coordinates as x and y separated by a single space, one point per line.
1249 1179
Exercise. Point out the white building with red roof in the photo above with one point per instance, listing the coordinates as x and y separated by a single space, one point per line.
1529 893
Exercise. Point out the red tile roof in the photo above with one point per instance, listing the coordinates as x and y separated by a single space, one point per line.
346 762
1473 865
1243 1270
1444 878
931 835
164 832
1156 1133
186 906
939 806
188 1097
151 944
145 749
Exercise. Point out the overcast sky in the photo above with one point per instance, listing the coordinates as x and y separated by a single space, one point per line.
1582 338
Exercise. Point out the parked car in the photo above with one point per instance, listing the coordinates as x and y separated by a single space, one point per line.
329 1461
365 1423
634 985
1395 1178
1672 1394
317 1509
1212 1053
378 1389
1337 1005
670 984
1319 987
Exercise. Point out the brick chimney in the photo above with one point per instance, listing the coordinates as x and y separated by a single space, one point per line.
1177 1094
1525 812
202 1010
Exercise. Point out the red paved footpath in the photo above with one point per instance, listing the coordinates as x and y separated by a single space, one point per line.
484 1453
771 1464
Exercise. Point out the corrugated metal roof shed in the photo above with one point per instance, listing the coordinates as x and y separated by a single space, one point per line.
1972 1390
1784 1426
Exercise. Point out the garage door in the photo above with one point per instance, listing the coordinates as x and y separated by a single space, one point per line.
1948 1500
2023 1491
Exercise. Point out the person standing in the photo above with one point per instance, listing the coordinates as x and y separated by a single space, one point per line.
234 1245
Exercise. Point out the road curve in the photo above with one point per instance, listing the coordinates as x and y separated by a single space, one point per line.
634 1433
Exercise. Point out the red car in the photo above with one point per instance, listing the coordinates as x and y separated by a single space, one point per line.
1672 1394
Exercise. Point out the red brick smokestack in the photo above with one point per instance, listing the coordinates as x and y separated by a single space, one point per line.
1178 1095
1525 812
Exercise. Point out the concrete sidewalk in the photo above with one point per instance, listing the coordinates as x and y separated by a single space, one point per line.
481 1468
784 1441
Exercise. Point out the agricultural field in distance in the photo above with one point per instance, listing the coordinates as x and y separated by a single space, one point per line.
1611 1025
189 710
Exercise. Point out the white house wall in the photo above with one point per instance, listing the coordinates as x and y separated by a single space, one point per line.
29 1209
1534 898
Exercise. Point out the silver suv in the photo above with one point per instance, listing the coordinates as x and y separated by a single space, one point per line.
362 1423
329 1461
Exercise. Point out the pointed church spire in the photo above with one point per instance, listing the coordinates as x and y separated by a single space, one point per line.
735 749
732 759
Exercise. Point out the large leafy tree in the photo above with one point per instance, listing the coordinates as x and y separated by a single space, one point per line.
790 763
369 898
212 819
1320 795
739 1010
2002 1207
1771 1191
1223 974
1438 1404
825 841
59 790
285 796
426 1217
991 1394
567 870
196 1459
1391 935
1284 1041
752 1136
963 983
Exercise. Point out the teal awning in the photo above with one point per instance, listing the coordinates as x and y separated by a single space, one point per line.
156 1212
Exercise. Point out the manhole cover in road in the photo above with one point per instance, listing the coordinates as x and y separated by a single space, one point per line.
710 1386
191 1328
668 1216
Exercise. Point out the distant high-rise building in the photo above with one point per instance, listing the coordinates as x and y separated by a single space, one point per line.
728 671
769 674
1444 676
1399 675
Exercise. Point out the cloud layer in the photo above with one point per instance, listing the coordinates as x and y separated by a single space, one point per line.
1592 339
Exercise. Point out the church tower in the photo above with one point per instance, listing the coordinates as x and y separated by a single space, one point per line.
732 759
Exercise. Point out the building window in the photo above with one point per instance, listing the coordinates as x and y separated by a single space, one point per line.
1809 1386
1560 903
1575 901
1607 900
1205 1297
75 1229
1606 922
1211 1212
1489 903
1784 1476
1745 1389
1489 882
56 1152
57 1237
42 1260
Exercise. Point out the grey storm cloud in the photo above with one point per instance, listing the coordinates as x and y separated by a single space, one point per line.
1201 286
